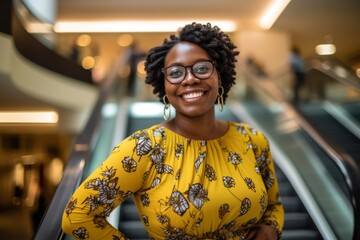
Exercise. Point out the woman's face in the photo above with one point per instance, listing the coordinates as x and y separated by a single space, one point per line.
192 97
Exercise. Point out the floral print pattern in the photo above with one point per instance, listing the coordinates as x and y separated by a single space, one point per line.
183 188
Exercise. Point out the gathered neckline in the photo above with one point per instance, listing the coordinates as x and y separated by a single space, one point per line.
230 127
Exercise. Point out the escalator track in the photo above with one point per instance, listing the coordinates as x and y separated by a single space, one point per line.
332 129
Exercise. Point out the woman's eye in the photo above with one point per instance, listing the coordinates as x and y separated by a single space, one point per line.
175 73
201 69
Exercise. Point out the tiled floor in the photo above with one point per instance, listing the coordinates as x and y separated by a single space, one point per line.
15 223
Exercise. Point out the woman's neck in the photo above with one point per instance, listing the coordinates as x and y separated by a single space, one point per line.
197 128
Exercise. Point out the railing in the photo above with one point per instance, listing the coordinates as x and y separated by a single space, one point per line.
335 69
38 46
50 226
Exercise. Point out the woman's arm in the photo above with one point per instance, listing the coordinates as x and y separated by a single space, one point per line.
274 213
105 189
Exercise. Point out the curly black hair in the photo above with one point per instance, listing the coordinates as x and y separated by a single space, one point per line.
215 42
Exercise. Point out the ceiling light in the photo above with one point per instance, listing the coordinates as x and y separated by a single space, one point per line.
125 40
325 49
88 62
83 40
272 13
133 26
29 117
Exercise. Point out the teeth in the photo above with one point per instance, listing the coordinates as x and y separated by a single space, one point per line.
193 95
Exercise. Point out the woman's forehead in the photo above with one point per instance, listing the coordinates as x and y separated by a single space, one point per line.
184 52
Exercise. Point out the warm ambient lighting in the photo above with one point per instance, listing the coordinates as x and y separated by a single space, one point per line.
133 26
29 117
125 40
325 49
272 13
83 40
38 27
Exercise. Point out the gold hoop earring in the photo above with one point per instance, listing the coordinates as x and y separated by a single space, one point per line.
220 100
167 109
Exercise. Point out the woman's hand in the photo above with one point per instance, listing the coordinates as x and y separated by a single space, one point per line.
262 232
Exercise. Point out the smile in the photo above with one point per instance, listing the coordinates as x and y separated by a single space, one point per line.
193 95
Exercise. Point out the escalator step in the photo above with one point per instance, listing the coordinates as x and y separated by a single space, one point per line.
301 235
128 201
129 213
292 204
133 230
297 221
285 189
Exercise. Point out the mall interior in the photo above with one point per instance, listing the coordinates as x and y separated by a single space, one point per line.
69 94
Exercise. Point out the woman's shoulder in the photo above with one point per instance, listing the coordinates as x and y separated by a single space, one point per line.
247 129
140 141
243 127
150 133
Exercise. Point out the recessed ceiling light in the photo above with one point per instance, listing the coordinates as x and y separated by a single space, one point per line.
29 117
325 49
133 26
272 13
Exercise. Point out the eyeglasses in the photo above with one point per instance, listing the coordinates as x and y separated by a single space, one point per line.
177 73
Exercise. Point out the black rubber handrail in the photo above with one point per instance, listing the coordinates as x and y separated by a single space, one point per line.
50 226
328 66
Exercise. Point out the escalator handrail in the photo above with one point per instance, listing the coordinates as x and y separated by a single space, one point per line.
50 225
327 66
347 165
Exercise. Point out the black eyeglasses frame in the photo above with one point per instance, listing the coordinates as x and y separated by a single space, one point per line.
191 70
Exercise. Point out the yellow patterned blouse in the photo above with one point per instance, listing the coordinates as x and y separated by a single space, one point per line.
183 188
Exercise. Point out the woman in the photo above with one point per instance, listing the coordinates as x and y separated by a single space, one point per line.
193 176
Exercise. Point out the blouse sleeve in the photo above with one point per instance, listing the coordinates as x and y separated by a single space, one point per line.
119 176
274 214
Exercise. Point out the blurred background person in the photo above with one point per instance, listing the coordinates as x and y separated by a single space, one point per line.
298 68
131 57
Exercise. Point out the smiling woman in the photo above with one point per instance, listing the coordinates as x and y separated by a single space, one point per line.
192 176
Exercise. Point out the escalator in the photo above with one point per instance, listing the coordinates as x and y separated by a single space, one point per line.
298 223
331 104
329 118
333 129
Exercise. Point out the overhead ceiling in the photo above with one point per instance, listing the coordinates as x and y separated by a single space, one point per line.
309 22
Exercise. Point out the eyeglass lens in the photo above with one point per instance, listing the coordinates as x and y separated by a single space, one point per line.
177 73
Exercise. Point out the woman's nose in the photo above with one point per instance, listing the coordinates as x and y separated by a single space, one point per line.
190 78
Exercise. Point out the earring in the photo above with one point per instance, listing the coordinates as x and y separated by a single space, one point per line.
167 109
220 100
